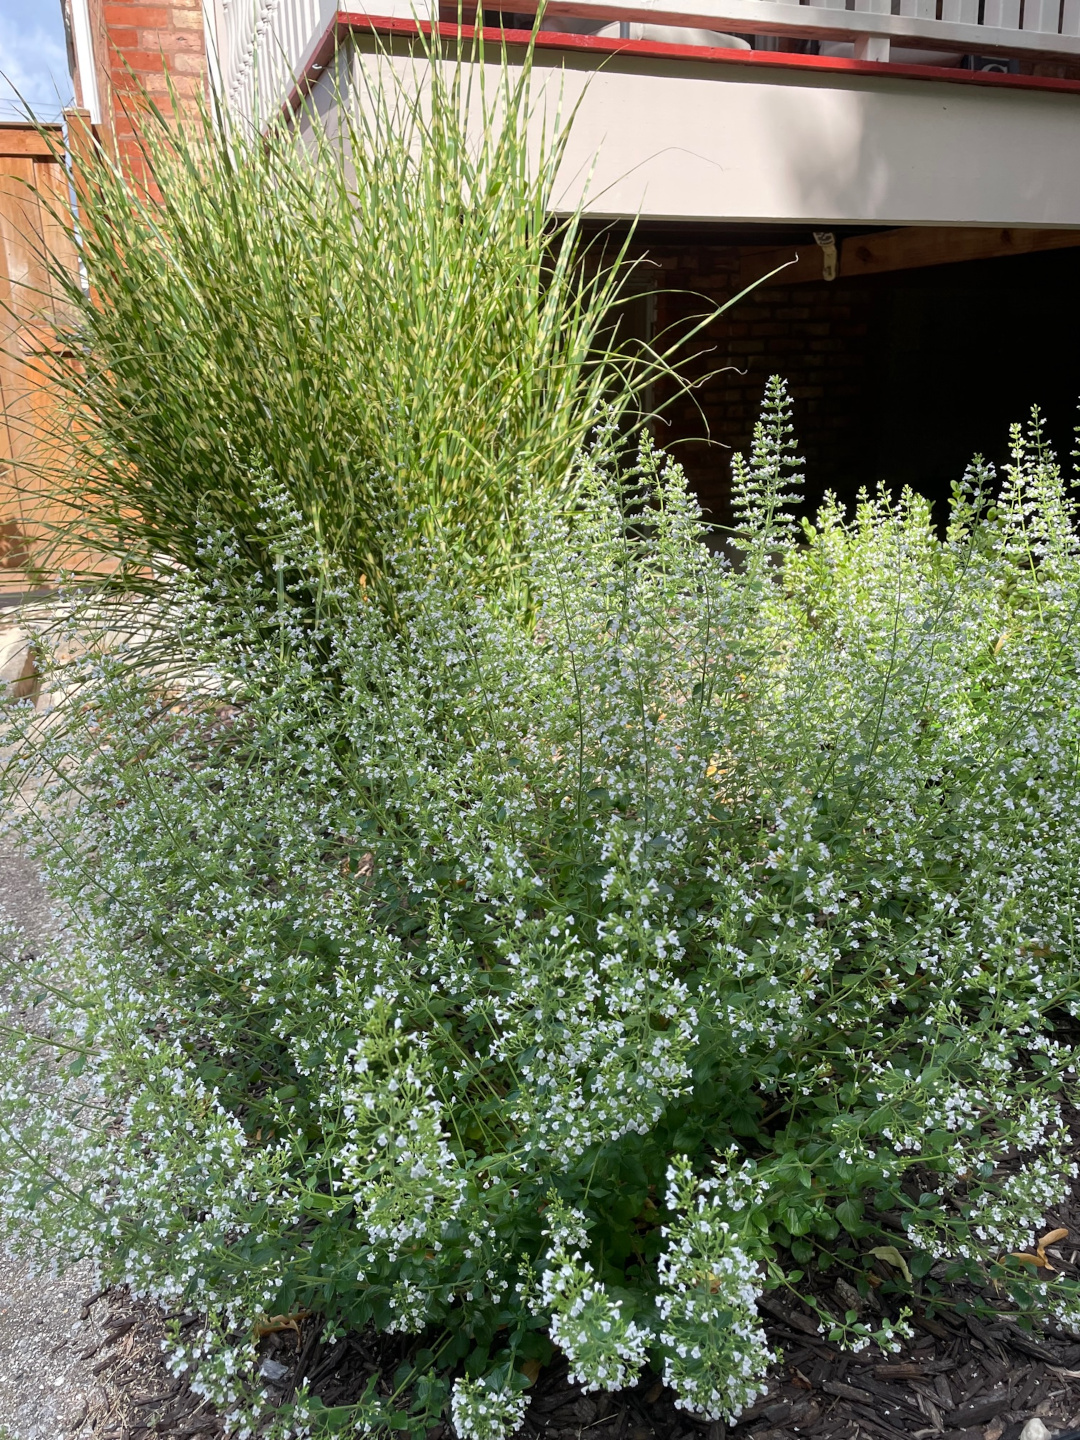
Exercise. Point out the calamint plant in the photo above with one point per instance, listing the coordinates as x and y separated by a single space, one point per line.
564 983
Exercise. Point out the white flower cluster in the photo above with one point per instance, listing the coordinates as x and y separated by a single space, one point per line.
480 1411
715 1352
376 930
603 1345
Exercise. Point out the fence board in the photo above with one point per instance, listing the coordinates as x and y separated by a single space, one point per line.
34 209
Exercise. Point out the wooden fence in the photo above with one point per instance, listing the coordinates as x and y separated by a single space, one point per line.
33 206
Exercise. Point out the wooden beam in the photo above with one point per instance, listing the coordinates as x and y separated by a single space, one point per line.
914 247
22 140
911 248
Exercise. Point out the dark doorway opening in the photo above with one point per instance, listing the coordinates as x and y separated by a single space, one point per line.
959 352
898 378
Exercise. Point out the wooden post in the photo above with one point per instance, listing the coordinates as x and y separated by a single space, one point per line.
34 231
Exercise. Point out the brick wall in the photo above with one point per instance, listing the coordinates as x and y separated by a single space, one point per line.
135 43
815 335
897 378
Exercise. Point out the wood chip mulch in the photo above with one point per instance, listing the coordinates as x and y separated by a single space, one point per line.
134 1396
961 1379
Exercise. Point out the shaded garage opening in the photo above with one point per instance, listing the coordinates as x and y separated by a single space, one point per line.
898 377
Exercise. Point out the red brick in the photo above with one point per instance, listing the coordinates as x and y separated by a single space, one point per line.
132 88
118 13
146 62
161 43
185 66
171 41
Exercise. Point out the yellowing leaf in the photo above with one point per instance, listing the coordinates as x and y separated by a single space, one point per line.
531 1368
1052 1237
891 1255
1026 1259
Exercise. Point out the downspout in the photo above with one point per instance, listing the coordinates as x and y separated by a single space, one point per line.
212 32
84 58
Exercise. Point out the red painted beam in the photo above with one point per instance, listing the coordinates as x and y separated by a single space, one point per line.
348 21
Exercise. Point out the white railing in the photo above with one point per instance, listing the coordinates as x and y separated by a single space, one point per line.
265 44
977 27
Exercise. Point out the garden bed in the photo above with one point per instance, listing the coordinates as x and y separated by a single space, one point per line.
962 1379
487 912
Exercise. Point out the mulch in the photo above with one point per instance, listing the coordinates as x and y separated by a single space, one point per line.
960 1378
133 1395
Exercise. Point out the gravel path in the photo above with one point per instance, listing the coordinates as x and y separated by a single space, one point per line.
44 1387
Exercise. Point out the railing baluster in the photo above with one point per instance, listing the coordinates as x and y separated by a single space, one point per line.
960 12
1002 14
1042 15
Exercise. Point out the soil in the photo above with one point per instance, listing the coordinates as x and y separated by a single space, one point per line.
958 1379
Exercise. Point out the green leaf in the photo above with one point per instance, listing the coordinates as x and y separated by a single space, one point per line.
797 1219
850 1215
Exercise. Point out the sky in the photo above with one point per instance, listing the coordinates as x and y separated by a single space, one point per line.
33 59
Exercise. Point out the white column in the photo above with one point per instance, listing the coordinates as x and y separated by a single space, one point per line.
872 47
84 59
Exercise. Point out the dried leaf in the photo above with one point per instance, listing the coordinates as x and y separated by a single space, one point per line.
1052 1237
531 1368
891 1255
274 1324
